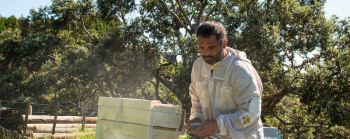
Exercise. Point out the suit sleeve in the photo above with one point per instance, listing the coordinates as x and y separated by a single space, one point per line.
247 95
196 110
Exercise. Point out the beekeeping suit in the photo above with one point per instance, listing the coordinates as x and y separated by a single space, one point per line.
230 93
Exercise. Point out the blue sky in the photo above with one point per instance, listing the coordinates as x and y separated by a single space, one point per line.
22 7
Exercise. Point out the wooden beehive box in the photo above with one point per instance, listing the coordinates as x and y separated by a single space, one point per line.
136 118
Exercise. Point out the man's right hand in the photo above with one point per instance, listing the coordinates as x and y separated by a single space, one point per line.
195 120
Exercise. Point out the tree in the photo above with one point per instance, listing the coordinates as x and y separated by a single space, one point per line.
279 36
2 24
11 22
328 97
22 58
83 50
75 53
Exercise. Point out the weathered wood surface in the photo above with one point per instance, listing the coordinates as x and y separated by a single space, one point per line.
40 126
57 130
33 126
60 119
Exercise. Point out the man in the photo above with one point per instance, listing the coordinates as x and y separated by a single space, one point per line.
225 88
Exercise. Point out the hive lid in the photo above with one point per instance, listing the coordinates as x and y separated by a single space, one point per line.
130 103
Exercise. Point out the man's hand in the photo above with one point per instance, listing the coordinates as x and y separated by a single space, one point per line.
195 120
207 129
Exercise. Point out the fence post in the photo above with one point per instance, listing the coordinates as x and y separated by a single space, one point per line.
182 122
26 119
55 119
83 121
30 109
56 111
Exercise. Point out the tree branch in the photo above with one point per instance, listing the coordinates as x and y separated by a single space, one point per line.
100 87
183 53
122 15
204 4
282 121
168 84
274 99
285 123
156 86
301 66
108 80
213 9
91 95
172 5
184 14
176 17
86 31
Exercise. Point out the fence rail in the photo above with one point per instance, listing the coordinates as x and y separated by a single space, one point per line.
65 108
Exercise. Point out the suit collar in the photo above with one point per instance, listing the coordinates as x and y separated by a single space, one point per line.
218 68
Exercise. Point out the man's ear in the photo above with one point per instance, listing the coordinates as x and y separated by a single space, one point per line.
225 43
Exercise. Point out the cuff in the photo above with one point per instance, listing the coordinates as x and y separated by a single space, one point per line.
222 129
196 115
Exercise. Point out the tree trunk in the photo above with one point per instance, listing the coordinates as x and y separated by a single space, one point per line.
170 85
183 54
156 86
108 81
273 100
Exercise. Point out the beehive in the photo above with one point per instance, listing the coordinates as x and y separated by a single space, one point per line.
127 118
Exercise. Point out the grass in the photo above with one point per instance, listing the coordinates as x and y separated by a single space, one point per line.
7 134
86 136
91 136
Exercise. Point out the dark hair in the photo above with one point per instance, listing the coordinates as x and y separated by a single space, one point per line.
208 28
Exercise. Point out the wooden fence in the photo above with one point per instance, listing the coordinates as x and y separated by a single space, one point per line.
18 118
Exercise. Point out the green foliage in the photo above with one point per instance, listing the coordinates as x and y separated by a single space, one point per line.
2 24
81 50
329 94
282 38
11 22
8 23
109 8
7 26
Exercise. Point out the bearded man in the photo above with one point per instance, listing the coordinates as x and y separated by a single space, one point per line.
225 89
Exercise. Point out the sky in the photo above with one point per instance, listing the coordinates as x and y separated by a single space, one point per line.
21 7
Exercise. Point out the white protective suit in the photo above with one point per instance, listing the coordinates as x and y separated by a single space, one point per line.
230 92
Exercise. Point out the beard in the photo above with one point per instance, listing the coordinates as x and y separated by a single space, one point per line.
213 59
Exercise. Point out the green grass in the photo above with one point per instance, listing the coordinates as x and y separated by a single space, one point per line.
87 136
7 135
92 136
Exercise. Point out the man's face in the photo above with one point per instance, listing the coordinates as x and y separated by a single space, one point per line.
210 49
